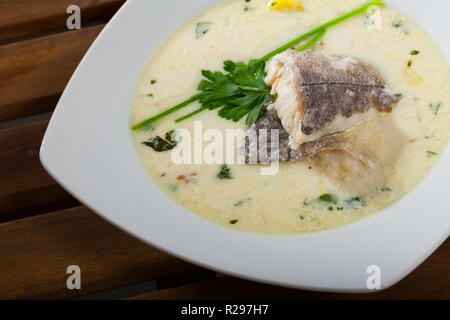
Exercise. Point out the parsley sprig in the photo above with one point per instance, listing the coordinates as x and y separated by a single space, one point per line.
238 93
241 91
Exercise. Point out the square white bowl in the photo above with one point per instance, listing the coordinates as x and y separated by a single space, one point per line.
88 149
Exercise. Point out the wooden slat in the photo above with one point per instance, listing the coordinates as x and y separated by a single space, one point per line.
20 18
35 72
430 281
35 253
25 188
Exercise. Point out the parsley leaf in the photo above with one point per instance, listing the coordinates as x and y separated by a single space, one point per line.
242 202
239 92
329 198
159 144
434 107
224 173
356 202
202 28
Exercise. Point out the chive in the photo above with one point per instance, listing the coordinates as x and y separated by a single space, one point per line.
409 63
190 114
329 198
165 113
313 40
397 23
234 221
431 154
320 28
414 52
150 95
152 81
241 203
434 107
302 217
385 189
203 27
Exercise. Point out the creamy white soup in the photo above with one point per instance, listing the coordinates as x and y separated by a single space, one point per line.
313 193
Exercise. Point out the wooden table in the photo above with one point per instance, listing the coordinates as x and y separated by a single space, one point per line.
43 229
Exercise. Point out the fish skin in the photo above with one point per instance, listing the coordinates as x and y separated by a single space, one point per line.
267 151
319 95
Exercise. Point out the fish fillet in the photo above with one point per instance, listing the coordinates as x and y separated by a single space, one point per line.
261 148
318 94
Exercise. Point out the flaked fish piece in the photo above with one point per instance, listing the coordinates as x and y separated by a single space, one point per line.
260 146
318 94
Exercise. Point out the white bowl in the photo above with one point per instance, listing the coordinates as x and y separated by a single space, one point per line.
88 149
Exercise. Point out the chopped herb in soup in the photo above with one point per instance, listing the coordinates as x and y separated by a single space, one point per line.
360 111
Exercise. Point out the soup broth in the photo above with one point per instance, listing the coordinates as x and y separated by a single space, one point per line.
306 195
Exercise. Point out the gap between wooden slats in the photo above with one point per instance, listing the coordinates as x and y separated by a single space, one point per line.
19 18
430 281
35 253
35 72
25 188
